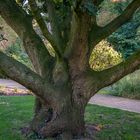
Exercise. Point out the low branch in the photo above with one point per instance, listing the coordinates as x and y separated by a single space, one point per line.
112 75
26 77
56 30
20 73
42 25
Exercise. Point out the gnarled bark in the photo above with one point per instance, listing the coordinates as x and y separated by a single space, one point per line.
69 118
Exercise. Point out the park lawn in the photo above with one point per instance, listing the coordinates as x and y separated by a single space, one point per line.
113 124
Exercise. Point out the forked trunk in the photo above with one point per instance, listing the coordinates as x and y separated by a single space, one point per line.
65 115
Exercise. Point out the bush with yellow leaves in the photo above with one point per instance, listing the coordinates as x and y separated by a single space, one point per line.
104 56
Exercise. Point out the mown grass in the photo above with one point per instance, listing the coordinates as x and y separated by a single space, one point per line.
116 124
16 112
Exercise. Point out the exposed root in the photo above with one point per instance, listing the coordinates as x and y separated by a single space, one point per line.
54 127
59 133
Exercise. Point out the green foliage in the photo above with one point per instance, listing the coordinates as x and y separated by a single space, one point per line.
16 51
127 39
104 56
129 86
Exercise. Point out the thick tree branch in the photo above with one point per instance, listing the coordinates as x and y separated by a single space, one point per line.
120 20
57 34
111 75
42 25
117 72
23 75
97 33
21 23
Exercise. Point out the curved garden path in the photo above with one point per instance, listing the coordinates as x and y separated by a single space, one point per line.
98 99
116 102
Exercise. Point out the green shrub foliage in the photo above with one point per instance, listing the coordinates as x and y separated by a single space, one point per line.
129 86
127 39
16 51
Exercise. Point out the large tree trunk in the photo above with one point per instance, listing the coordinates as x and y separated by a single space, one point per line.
49 123
64 117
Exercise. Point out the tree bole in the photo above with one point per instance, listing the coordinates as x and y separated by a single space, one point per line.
67 119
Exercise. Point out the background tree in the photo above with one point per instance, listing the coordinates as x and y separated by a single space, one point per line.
62 84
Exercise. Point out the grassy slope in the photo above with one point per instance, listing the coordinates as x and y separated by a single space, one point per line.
15 112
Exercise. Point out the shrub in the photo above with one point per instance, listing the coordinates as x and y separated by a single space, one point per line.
104 56
129 86
17 52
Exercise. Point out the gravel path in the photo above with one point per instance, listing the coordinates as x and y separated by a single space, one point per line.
116 102
10 84
98 99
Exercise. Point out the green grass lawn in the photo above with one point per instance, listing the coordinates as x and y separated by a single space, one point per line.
16 112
